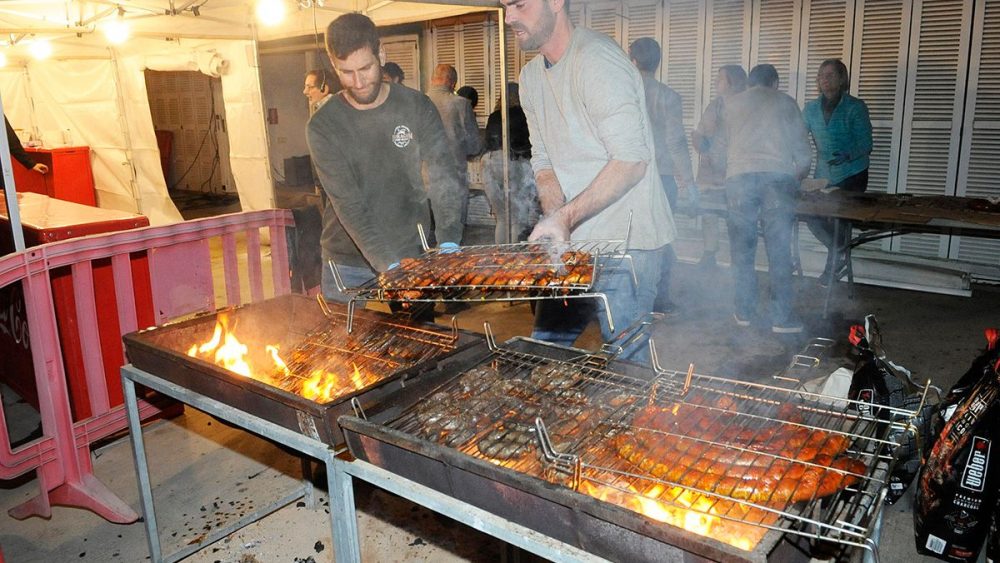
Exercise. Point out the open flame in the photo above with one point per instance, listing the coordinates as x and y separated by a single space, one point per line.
684 509
225 349
229 352
324 385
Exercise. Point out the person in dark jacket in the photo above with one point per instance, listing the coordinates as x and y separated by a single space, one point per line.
17 151
523 193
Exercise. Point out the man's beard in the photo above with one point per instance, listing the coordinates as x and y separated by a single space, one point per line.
377 88
534 39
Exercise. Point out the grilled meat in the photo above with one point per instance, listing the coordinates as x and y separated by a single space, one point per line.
712 450
533 269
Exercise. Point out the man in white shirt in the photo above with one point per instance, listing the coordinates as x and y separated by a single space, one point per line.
594 163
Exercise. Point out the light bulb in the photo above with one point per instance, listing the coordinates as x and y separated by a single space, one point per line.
3 60
116 30
270 12
40 49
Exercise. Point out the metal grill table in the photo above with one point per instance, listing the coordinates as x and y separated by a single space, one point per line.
347 547
297 441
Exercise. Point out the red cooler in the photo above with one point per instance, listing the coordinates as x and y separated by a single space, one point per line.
45 219
69 178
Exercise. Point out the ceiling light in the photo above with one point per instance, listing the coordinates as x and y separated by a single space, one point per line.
116 30
270 12
40 49
3 60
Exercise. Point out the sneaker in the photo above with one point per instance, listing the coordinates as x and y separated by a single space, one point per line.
791 325
742 319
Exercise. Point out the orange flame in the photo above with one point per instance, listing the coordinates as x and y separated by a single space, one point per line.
682 508
326 385
231 354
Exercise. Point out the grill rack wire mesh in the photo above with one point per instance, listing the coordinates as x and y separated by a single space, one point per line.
555 419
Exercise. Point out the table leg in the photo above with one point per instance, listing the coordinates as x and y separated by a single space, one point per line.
141 469
831 265
343 516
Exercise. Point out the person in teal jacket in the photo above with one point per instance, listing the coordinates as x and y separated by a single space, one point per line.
842 131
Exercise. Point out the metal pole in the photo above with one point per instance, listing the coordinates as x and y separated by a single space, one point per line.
505 124
10 193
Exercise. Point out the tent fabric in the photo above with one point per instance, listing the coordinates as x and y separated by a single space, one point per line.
103 104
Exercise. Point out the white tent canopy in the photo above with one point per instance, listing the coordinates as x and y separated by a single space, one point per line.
98 92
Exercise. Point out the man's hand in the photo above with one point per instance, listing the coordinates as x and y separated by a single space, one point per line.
40 168
839 157
551 228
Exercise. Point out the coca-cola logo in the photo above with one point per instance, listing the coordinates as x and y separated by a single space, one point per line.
13 321
974 476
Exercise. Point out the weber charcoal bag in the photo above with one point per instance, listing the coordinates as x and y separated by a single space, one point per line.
876 382
958 484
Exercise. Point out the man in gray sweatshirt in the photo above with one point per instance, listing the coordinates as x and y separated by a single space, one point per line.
767 156
369 143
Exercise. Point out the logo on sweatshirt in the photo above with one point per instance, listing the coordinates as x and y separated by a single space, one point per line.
402 136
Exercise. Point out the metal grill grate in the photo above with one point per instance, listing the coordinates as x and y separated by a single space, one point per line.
329 356
593 428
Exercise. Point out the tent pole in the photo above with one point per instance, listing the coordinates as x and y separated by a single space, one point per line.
13 212
123 122
504 114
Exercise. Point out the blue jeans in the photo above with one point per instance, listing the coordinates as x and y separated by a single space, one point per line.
352 276
769 199
562 321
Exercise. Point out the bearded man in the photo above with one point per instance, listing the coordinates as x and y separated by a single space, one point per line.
593 157
369 143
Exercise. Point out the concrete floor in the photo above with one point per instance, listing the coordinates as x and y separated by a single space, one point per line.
204 471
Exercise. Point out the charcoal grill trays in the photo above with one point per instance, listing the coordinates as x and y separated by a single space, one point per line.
389 354
540 493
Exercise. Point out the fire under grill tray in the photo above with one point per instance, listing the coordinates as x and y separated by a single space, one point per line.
617 459
326 369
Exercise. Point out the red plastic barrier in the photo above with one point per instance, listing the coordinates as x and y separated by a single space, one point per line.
180 274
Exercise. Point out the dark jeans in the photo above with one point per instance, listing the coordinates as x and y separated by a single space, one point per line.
662 302
822 228
561 321
769 199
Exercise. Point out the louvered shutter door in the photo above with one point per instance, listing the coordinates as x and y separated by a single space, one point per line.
604 17
472 70
682 51
727 42
643 18
404 51
878 70
980 168
776 31
445 45
935 94
828 29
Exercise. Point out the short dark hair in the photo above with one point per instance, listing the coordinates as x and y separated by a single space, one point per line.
736 76
841 68
394 71
764 75
351 32
646 53
469 93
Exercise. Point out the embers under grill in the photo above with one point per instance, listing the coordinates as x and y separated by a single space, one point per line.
742 463
322 368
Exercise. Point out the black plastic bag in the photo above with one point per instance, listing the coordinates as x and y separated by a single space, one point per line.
877 382
959 483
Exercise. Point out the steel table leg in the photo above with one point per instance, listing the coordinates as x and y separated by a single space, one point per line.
141 469
344 517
